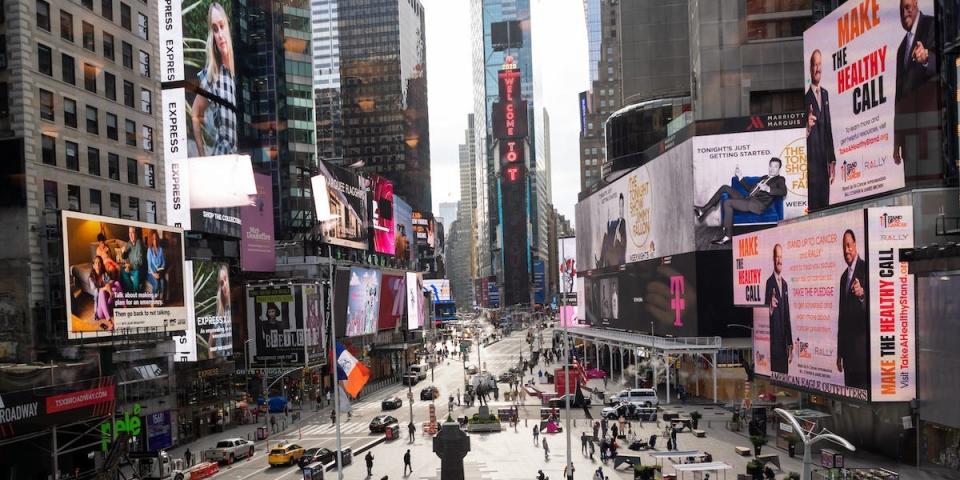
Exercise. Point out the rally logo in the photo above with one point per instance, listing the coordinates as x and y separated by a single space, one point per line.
850 171
803 349
892 221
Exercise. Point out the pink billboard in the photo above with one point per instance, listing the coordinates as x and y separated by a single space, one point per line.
381 201
256 241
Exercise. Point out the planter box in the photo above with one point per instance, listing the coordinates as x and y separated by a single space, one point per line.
483 427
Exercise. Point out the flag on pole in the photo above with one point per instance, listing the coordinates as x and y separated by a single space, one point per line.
349 370
579 366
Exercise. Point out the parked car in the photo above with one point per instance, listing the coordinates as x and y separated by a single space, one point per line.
228 450
506 377
429 393
471 370
391 403
322 455
411 379
641 397
629 411
596 373
561 402
380 423
284 454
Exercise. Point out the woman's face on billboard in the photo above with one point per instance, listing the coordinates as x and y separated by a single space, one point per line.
220 30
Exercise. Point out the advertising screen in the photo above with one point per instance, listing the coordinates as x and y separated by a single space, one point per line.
209 332
286 322
123 276
381 208
405 247
539 282
423 229
415 312
257 252
363 301
871 71
834 303
635 218
348 204
32 410
393 301
765 168
567 251
439 289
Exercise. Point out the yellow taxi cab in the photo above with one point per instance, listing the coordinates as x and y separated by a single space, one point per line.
284 454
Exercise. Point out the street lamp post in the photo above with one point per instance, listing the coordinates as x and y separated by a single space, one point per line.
810 440
566 367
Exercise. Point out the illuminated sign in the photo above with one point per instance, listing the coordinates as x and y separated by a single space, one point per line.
510 119
509 83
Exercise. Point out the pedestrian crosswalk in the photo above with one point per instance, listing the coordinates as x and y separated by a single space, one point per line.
349 427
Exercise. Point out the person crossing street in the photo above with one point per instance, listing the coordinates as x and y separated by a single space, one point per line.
406 462
369 460
536 434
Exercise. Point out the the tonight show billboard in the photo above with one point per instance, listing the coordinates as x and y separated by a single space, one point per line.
348 203
257 253
286 321
128 276
209 332
381 208
835 303
871 71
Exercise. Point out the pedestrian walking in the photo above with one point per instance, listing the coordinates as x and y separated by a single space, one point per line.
603 426
613 431
458 397
369 460
622 421
328 397
673 436
273 424
598 475
411 431
406 462
593 450
536 434
596 429
604 381
568 471
188 458
333 417
546 449
583 442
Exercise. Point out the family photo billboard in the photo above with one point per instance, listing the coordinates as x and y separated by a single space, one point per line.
128 276
871 67
833 303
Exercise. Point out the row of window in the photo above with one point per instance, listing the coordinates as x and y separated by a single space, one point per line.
51 200
68 68
67 26
92 120
71 156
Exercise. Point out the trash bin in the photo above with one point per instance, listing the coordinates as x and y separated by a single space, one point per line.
262 433
392 432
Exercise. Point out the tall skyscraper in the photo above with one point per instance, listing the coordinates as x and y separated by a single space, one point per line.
591 13
604 96
326 79
383 82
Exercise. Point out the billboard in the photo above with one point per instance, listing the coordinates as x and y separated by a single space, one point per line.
363 302
39 408
765 168
423 227
415 312
635 217
539 282
348 205
393 298
835 303
286 321
439 289
567 251
209 332
405 246
871 70
257 252
381 208
122 275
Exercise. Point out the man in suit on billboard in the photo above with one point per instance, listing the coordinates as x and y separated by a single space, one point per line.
759 196
916 64
777 300
853 319
821 156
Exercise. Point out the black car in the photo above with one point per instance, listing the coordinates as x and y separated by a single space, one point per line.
391 403
411 379
380 423
561 402
506 377
322 455
429 393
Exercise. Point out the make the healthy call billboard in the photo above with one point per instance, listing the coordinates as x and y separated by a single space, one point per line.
833 303
871 69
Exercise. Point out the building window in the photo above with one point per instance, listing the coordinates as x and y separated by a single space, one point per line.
46 105
143 26
50 195
132 171
779 28
95 206
89 40
4 100
125 16
70 112
112 132
45 59
43 15
144 64
66 26
115 205
110 85
108 46
93 161
776 102
134 207
131 133
88 4
106 9
146 101
90 78
147 134
72 155
73 198
128 94
127 55
150 211
68 69
93 120
148 176
49 149
113 166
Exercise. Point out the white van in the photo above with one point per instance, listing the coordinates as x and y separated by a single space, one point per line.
641 397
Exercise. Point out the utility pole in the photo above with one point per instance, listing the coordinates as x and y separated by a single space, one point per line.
333 372
566 369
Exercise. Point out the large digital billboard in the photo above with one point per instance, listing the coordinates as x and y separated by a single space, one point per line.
286 321
439 289
567 251
348 204
123 277
36 409
209 333
393 301
381 211
405 245
363 302
871 71
415 312
835 303
636 217
257 252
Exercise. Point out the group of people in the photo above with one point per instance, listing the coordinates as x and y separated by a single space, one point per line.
407 464
124 271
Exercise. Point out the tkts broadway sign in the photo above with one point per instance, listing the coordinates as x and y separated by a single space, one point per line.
32 410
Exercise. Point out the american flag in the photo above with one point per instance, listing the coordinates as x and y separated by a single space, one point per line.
579 366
